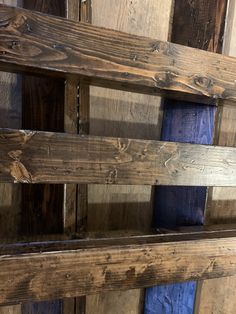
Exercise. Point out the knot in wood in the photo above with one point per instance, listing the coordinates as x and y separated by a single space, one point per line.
165 79
203 81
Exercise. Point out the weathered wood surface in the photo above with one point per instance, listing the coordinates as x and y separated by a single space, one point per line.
10 195
111 264
199 24
45 44
10 117
37 157
42 102
123 114
76 120
219 295
71 108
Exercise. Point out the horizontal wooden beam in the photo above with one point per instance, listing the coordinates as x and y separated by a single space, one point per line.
37 43
57 269
45 157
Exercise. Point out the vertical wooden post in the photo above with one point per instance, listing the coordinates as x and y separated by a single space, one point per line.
218 295
10 194
43 109
122 114
199 24
76 120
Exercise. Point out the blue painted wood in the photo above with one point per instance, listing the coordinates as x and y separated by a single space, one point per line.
190 123
176 298
199 24
180 206
46 307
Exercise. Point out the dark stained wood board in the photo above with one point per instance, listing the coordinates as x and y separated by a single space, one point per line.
10 195
105 264
76 119
43 101
124 114
40 44
48 157
199 24
219 295
42 105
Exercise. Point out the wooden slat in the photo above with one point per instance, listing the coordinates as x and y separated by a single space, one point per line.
45 44
10 195
219 295
112 264
37 157
42 101
10 116
123 114
199 24
76 119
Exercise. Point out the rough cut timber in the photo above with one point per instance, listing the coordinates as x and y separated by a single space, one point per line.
42 109
112 264
199 24
10 195
33 42
122 114
45 157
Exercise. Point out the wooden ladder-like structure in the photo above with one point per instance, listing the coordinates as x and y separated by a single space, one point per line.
35 43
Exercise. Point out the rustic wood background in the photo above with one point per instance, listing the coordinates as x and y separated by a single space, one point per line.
39 103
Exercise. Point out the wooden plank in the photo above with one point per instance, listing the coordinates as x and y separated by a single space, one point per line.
218 296
124 234
84 126
43 100
39 157
199 24
16 309
103 265
76 119
123 114
10 195
144 65
70 126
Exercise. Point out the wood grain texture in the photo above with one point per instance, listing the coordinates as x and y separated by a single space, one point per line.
84 128
39 157
145 65
123 114
199 24
77 120
218 296
118 264
70 126
10 116
203 20
43 100
10 195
